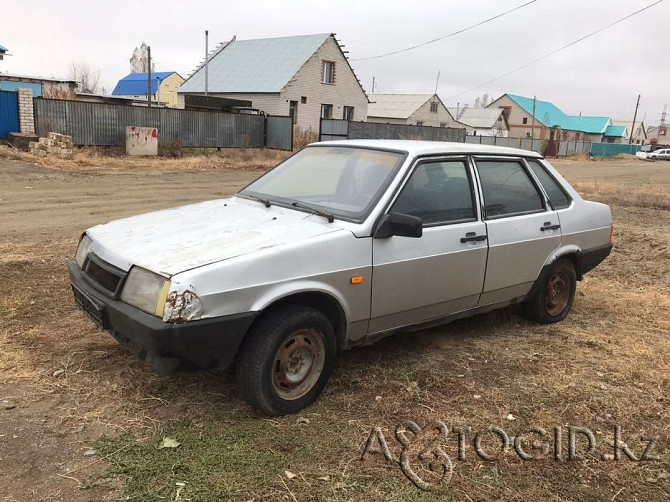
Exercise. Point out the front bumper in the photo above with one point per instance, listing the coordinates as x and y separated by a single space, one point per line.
168 348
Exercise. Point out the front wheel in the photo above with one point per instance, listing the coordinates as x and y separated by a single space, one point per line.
286 360
553 299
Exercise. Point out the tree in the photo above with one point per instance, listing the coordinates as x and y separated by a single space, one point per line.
88 79
139 61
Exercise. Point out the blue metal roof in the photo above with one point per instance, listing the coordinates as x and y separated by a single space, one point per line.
3 49
550 115
615 131
135 84
262 65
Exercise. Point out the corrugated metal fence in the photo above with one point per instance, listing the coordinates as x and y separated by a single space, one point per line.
98 124
610 149
9 113
559 148
332 129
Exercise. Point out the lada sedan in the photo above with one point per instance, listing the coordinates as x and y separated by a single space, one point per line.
339 245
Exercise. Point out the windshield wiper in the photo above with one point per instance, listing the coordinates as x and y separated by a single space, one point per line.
265 202
316 211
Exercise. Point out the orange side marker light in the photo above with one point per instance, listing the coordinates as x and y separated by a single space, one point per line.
357 279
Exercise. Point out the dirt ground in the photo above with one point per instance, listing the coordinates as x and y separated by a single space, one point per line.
80 419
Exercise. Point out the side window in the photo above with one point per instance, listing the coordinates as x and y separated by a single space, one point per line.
557 196
437 192
507 188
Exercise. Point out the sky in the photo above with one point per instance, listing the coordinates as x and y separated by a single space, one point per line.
601 75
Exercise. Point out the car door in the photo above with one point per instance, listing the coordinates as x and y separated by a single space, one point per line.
664 154
523 230
441 272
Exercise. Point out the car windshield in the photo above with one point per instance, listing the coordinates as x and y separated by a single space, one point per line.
343 181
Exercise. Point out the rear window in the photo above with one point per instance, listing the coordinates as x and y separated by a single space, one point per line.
507 188
558 198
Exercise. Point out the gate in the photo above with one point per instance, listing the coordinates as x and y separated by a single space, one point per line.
279 132
9 113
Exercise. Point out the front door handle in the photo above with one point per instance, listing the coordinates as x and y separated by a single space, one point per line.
473 237
548 226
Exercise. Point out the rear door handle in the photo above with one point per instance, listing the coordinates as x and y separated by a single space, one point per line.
548 226
473 237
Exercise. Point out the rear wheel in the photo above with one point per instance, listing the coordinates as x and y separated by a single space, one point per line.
553 299
286 360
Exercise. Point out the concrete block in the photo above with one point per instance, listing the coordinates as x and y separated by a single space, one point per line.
141 140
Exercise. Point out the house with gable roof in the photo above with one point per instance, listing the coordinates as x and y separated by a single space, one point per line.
412 109
307 77
550 122
164 86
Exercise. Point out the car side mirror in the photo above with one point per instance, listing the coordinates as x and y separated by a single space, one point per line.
402 225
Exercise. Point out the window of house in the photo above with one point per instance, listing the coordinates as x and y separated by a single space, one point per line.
328 72
348 113
326 111
293 111
507 189
303 100
557 196
524 120
419 122
438 193
433 107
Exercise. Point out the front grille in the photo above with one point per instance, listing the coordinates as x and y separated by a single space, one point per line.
105 277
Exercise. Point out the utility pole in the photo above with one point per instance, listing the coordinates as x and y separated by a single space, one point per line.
373 85
632 129
149 76
206 62
532 127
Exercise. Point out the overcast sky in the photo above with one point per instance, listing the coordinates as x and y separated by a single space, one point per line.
599 76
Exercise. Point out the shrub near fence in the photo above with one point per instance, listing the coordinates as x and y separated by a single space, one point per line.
99 124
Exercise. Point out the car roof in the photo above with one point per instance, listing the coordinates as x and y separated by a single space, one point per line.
417 148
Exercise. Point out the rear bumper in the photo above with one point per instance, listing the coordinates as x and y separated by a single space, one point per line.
591 258
168 348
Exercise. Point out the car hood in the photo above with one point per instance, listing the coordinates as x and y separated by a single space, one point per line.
179 239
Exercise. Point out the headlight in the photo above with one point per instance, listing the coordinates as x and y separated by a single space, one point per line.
82 250
146 291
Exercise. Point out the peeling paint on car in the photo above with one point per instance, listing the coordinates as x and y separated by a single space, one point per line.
182 307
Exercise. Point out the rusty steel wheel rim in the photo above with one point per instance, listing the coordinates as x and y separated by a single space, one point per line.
558 292
298 364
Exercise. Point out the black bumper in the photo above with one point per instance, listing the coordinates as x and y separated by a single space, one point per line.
168 348
591 258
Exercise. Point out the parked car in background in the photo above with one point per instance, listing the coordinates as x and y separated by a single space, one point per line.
662 154
341 244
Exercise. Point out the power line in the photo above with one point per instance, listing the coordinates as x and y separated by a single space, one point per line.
445 36
557 50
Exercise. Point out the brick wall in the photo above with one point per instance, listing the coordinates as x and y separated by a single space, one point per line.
26 116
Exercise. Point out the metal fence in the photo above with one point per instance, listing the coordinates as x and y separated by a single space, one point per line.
558 148
333 129
98 124
610 149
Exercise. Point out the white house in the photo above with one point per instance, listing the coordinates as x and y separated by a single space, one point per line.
306 76
482 121
412 109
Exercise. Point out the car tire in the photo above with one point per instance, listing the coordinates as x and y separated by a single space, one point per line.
553 299
286 360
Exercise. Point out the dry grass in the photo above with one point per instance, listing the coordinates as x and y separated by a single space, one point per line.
114 159
606 364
